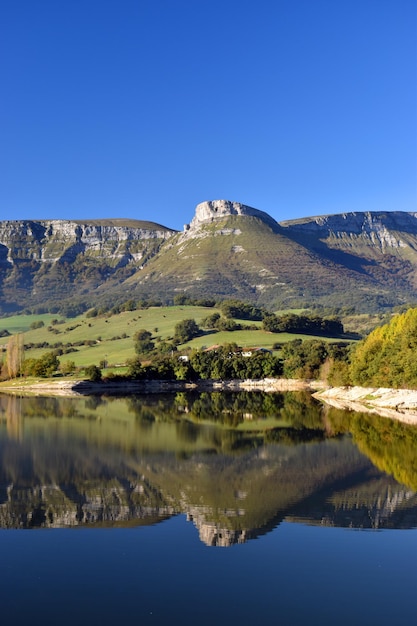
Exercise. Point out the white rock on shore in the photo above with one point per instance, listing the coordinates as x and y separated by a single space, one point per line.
400 404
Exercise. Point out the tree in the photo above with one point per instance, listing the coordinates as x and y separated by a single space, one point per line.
135 369
339 373
93 373
181 299
68 367
215 320
240 310
306 324
14 355
303 359
211 320
143 343
142 335
227 324
183 370
45 366
387 357
164 368
186 330
202 363
270 323
129 305
166 347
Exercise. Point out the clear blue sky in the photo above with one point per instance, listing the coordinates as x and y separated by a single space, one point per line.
143 108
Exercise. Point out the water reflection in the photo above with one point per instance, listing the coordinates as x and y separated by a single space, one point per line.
237 464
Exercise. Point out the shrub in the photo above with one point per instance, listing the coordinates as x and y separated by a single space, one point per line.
38 324
93 373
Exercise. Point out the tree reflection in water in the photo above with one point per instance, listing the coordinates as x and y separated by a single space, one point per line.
236 464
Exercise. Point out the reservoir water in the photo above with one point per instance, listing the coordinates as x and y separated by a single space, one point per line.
243 508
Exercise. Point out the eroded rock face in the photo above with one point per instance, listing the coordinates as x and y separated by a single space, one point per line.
368 259
49 506
381 229
214 209
59 259
48 240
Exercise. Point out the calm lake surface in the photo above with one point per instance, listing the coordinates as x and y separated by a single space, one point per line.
239 508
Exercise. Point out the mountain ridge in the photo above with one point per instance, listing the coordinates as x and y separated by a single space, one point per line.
365 259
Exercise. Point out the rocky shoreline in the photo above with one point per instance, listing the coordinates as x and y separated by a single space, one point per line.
85 387
399 404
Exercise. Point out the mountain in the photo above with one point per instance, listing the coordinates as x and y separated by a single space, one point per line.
367 260
68 462
47 262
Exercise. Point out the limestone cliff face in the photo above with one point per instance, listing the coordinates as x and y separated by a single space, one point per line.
381 229
48 506
229 250
54 240
211 210
53 260
215 534
116 502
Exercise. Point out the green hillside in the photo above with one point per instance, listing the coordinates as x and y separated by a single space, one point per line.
243 257
88 339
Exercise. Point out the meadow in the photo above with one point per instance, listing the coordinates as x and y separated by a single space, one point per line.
110 337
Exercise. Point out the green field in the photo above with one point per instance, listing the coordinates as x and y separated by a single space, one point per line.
113 335
21 323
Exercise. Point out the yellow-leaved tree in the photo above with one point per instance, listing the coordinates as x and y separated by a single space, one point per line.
14 355
388 356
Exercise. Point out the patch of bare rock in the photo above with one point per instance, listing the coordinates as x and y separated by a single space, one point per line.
400 404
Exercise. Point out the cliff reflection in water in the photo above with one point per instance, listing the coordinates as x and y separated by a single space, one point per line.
236 464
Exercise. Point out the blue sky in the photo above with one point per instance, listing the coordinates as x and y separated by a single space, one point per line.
143 108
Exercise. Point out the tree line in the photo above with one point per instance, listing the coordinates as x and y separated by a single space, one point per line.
386 357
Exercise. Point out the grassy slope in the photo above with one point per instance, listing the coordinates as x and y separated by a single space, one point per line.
21 323
235 255
117 351
245 257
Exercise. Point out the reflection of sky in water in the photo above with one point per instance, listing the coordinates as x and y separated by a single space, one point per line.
152 486
295 575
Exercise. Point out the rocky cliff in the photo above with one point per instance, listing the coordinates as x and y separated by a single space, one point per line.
383 230
61 240
125 499
366 260
55 259
207 212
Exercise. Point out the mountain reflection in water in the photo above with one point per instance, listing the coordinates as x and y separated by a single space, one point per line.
236 464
